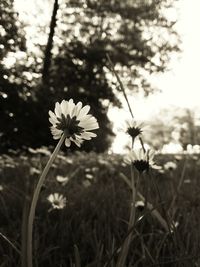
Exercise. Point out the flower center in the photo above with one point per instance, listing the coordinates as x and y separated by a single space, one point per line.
134 131
141 165
69 125
56 203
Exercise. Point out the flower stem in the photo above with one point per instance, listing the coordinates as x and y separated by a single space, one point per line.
35 199
120 84
131 225
25 214
124 93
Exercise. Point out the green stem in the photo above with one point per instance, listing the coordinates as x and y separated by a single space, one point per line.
35 199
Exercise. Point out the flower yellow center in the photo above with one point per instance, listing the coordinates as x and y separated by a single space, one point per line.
69 125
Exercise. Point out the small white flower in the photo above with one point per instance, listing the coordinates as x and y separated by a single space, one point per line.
58 201
86 183
103 162
10 165
65 159
187 181
1 188
195 157
69 161
142 160
74 121
34 170
62 180
139 204
178 157
89 176
170 166
174 225
133 128
31 150
43 150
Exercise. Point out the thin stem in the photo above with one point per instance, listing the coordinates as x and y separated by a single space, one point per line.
146 192
131 224
121 85
25 214
124 94
35 199
10 243
150 207
142 144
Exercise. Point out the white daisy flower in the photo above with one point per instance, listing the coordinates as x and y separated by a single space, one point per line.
74 121
170 166
133 128
142 160
178 157
62 180
58 201
34 170
89 176
139 204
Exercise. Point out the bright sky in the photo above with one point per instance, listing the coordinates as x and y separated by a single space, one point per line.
181 86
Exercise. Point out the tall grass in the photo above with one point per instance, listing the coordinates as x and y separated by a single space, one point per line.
95 219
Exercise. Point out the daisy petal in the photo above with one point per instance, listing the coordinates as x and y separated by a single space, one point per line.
83 111
58 110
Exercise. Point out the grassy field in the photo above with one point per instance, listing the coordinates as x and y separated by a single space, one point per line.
92 226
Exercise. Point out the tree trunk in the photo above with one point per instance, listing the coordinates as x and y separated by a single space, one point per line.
48 55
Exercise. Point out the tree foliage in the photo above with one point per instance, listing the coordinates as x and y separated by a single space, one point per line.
12 88
135 34
188 127
177 125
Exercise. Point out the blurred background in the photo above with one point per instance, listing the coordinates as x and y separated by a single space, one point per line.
52 50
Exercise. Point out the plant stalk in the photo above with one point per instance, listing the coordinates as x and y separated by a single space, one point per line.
35 199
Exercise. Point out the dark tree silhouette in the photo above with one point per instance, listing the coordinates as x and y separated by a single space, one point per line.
136 35
11 88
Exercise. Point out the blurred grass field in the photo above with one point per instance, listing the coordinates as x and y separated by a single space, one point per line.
94 221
